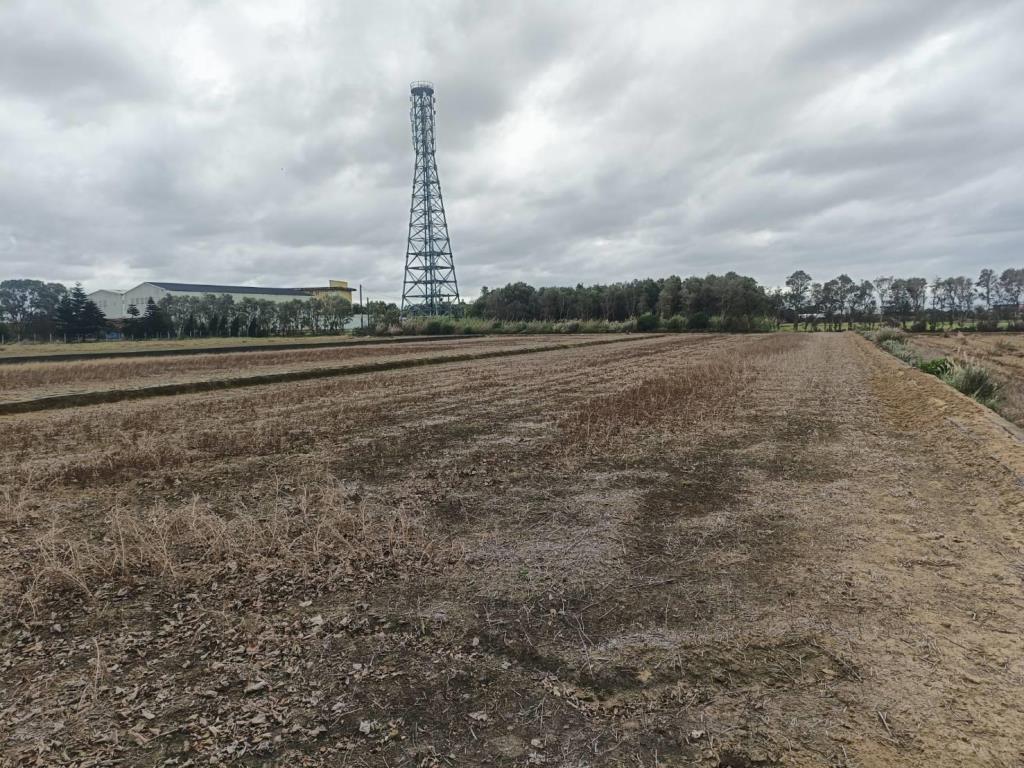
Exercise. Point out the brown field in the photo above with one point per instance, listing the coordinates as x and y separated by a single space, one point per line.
15 349
24 381
687 550
1000 353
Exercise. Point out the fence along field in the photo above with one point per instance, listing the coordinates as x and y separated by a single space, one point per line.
717 550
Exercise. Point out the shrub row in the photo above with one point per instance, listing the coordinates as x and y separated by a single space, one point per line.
646 323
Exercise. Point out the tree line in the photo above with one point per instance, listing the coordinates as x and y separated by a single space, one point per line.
730 301
736 302
991 300
221 315
40 310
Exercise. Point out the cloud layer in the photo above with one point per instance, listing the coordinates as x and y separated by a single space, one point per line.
268 142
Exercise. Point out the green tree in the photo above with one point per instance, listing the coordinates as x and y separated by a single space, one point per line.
132 325
30 306
798 287
92 321
77 316
883 287
1010 287
917 295
986 287
962 290
66 319
670 298
155 321
831 303
864 301
335 311
845 290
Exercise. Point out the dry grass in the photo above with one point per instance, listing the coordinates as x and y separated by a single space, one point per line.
696 394
301 532
616 546
101 347
685 393
24 380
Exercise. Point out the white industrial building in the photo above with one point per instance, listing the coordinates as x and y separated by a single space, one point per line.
114 304
111 303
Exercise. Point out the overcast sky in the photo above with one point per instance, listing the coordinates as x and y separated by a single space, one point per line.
269 143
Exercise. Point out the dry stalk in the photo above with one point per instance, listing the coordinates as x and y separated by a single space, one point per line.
177 546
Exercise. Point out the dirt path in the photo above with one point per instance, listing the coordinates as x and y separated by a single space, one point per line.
734 551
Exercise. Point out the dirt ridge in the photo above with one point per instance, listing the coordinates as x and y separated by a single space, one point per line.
96 397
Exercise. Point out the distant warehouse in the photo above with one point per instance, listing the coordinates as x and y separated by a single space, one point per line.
114 304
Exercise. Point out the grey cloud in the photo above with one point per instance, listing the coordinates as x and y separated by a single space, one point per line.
860 34
577 142
56 56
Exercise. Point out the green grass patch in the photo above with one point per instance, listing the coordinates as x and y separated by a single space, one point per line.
940 366
974 381
901 350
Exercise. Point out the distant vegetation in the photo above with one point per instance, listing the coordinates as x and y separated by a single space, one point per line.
988 303
731 303
726 303
33 309
212 315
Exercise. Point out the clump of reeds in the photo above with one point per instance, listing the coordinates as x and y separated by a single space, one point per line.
883 335
902 351
975 381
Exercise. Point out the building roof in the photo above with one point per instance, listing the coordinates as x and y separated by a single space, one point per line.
248 289
329 288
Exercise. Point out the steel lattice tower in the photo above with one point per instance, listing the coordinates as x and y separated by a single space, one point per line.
430 287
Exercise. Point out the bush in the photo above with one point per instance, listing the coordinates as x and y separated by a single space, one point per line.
988 325
883 335
647 323
731 324
974 381
675 324
940 366
904 353
918 326
437 327
698 321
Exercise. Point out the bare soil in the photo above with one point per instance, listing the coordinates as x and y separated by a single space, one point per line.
18 349
699 550
23 381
